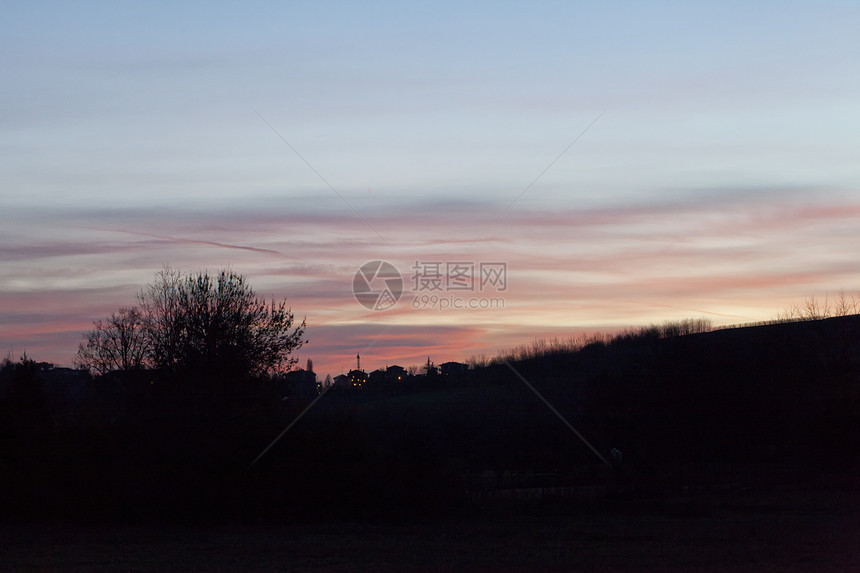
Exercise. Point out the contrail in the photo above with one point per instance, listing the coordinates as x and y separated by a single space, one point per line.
198 242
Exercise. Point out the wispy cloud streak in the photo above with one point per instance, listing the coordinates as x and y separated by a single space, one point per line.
171 239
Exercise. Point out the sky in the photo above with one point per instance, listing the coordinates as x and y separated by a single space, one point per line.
627 163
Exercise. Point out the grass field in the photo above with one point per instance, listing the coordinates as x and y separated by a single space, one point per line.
786 529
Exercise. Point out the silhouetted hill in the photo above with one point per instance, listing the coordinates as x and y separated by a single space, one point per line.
754 406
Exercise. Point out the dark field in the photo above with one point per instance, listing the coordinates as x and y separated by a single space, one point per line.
739 453
790 529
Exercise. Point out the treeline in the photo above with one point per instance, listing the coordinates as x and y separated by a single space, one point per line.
172 399
785 393
558 346
677 403
755 406
128 445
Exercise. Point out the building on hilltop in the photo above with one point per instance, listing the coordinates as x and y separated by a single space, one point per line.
454 369
299 383
377 377
395 373
357 378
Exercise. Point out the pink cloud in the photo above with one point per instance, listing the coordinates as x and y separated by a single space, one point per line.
733 256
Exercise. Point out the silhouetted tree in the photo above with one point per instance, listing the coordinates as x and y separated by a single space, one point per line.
812 308
195 323
845 305
23 407
119 342
160 304
217 323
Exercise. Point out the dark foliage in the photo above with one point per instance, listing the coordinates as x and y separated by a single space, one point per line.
119 342
198 324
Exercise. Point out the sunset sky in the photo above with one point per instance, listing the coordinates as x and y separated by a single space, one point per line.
630 162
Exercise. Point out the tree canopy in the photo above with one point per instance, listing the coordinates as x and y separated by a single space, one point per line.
196 323
118 342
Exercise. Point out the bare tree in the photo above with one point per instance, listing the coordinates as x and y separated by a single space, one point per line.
845 305
202 321
117 343
812 308
160 306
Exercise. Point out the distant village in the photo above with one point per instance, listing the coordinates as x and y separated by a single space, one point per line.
303 381
69 385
